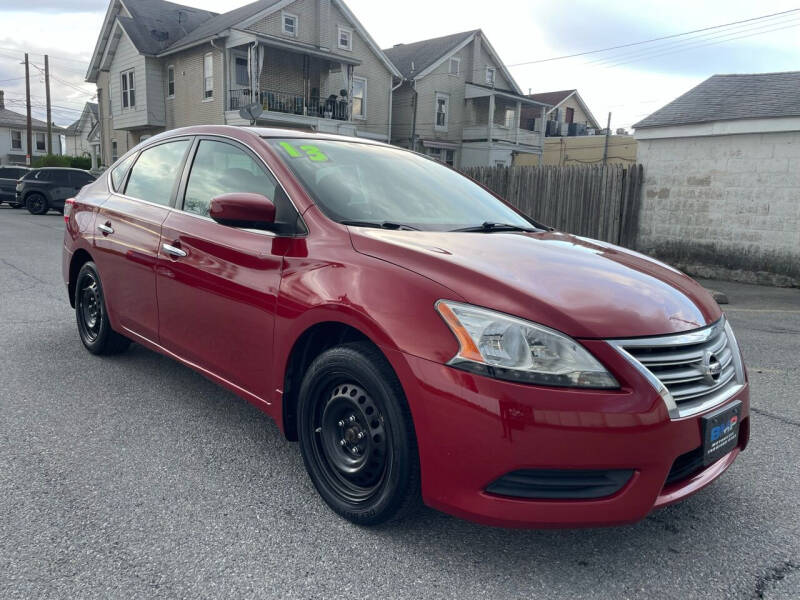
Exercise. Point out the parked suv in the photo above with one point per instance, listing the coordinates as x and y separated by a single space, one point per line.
9 175
419 337
44 189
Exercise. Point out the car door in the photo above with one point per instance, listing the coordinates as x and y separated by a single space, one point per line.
217 285
59 186
128 232
78 179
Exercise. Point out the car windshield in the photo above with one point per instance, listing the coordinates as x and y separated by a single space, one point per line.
366 184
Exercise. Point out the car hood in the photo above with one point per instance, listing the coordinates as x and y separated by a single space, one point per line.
582 287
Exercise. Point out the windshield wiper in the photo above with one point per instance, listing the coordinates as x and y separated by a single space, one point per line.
488 227
381 225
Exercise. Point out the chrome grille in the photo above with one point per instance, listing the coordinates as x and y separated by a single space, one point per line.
692 371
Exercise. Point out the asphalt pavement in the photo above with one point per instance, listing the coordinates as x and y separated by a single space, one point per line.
135 477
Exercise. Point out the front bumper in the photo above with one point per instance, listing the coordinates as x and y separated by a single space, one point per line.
473 430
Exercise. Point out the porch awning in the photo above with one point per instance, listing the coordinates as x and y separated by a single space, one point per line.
476 90
272 42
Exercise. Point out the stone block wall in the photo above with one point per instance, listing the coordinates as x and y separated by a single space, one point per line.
724 206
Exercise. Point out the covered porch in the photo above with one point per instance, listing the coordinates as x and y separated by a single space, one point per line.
493 115
294 85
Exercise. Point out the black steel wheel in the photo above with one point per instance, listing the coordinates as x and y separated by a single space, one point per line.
94 328
357 437
36 204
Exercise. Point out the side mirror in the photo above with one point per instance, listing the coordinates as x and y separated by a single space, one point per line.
243 209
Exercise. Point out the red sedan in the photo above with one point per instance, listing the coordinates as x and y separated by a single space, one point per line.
420 338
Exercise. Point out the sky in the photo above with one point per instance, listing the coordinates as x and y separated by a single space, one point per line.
629 82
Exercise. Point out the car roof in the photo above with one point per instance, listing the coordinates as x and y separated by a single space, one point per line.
243 133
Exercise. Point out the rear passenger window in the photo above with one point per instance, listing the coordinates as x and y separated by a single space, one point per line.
222 168
155 173
118 173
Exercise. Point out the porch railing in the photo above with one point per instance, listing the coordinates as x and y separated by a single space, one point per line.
332 107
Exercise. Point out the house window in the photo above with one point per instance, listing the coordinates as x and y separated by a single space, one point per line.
170 81
345 38
442 111
490 75
40 142
208 76
570 115
242 76
444 155
455 65
128 90
359 98
510 118
114 154
16 140
289 24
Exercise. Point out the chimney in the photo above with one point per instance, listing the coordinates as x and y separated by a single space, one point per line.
2 100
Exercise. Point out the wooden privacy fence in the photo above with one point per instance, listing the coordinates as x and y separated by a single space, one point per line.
592 201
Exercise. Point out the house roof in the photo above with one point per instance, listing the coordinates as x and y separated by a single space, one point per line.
75 127
9 118
221 22
423 54
552 98
730 97
155 25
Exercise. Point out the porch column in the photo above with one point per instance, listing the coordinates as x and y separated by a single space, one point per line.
94 156
543 127
518 120
490 127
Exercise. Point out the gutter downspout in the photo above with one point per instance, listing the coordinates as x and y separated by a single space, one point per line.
391 96
414 117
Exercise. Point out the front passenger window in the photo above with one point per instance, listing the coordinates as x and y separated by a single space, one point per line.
155 173
222 168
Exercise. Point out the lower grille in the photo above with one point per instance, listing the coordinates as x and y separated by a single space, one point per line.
694 371
563 484
685 466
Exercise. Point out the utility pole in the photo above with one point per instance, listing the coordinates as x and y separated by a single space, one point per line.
49 112
608 133
29 155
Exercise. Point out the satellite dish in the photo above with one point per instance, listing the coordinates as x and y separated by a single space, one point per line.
251 112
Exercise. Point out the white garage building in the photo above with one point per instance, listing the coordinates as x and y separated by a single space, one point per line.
722 169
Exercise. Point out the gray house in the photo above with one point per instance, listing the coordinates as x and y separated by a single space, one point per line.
457 101
78 136
308 64
723 178
13 136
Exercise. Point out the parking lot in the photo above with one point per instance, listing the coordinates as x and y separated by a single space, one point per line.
135 477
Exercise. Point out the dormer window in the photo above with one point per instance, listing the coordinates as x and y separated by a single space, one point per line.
345 38
289 24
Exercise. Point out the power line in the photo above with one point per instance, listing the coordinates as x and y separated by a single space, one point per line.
708 43
665 37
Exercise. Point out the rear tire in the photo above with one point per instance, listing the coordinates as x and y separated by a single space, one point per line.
94 328
36 204
357 436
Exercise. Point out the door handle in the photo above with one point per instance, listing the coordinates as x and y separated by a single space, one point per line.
106 229
173 250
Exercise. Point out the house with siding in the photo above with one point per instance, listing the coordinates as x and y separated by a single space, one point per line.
568 114
13 137
307 64
456 101
77 136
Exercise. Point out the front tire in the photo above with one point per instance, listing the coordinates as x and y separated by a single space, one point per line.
94 328
36 204
357 436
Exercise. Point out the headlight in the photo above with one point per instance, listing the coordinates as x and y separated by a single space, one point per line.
504 347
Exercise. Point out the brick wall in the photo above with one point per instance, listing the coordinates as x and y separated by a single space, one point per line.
724 206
